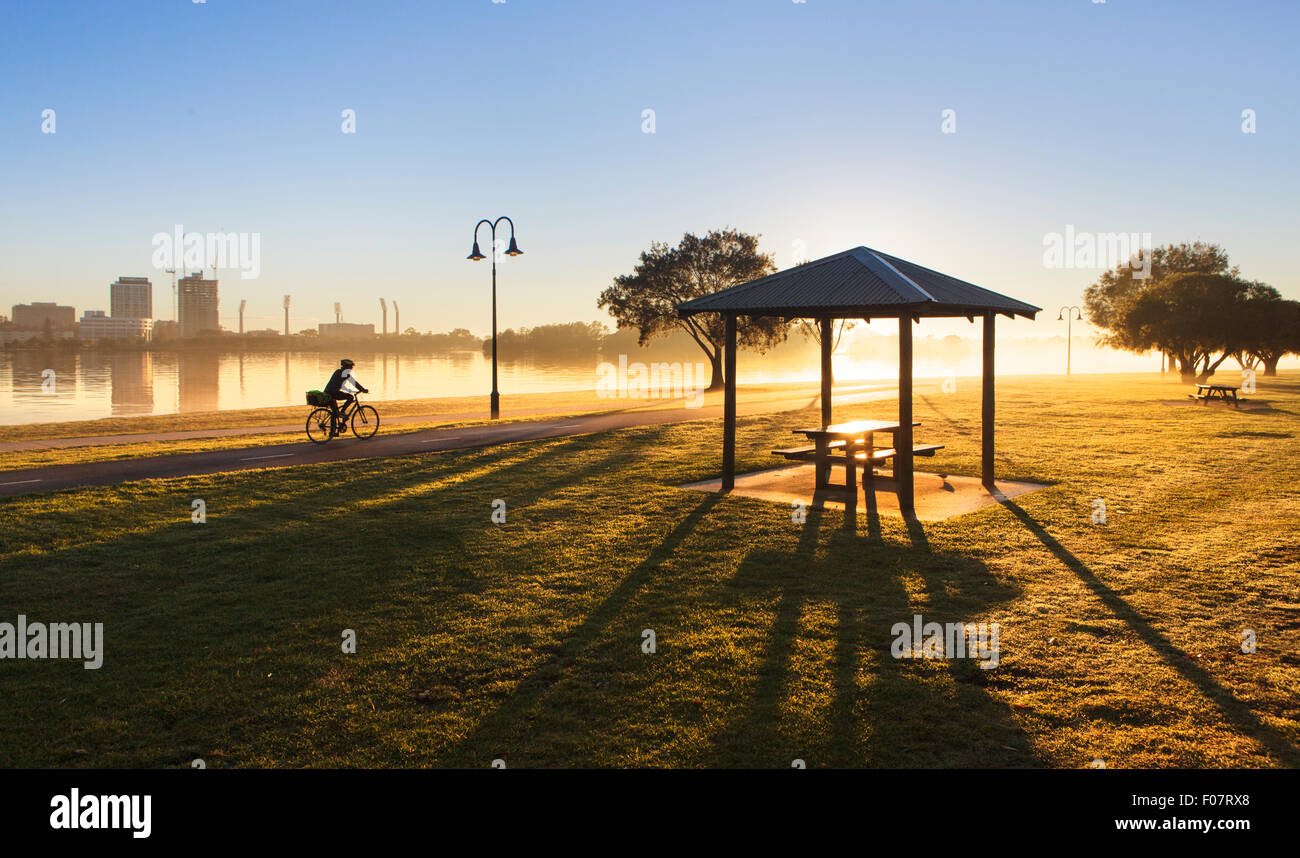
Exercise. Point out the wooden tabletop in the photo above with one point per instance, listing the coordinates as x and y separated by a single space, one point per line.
1216 386
851 429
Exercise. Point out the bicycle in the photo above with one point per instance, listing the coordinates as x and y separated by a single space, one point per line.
364 419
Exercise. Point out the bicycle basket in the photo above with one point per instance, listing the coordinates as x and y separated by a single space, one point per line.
317 398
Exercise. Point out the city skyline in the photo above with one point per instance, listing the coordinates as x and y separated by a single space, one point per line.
876 159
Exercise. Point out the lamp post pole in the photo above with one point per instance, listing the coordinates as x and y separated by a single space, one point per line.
1068 315
476 256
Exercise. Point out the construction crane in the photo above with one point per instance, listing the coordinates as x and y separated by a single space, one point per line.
176 302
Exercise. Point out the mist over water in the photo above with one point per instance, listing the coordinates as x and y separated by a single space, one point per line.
94 384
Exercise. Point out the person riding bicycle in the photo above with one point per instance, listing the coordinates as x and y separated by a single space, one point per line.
342 378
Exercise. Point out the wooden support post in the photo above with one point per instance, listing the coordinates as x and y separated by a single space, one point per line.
903 454
729 407
826 328
986 417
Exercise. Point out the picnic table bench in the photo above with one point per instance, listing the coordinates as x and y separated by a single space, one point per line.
1206 392
850 444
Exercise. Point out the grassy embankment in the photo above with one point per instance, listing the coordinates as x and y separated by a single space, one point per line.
523 640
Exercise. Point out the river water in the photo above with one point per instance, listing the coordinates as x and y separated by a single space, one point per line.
47 385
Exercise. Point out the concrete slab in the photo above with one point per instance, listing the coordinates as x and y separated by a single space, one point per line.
937 497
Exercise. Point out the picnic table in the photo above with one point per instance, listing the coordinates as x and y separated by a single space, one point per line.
850 444
1206 392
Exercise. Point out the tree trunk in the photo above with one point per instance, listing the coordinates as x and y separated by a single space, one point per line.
1210 368
1270 366
715 361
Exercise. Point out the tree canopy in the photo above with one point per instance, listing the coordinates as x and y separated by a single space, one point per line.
666 276
1193 306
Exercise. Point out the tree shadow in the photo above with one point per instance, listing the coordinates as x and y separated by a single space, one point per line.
1233 709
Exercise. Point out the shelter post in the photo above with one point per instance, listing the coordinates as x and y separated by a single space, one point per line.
826 327
729 406
986 417
903 451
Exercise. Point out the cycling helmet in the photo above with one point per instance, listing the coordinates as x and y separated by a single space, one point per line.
347 363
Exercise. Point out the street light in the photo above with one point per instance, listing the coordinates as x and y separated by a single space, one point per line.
1068 315
476 255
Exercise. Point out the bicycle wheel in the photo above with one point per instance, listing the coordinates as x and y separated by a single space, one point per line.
365 422
318 425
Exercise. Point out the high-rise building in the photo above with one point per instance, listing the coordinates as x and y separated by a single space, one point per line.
131 298
198 300
33 316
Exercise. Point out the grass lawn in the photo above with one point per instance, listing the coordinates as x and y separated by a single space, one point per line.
523 640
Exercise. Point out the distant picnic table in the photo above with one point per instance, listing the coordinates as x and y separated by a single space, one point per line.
849 444
1206 392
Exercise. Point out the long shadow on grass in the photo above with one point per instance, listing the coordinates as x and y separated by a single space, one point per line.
502 728
192 604
956 425
868 709
1233 709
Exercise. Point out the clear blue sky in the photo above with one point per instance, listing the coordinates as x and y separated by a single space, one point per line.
816 121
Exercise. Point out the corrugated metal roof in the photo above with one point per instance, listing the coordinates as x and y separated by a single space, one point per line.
857 283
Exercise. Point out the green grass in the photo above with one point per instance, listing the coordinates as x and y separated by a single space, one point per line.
20 459
523 640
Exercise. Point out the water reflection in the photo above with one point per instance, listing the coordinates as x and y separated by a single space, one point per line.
199 382
95 384
131 377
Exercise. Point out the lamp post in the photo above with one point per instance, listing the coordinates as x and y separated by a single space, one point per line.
476 256
1068 315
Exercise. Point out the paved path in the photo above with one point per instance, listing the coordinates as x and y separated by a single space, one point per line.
52 477
29 444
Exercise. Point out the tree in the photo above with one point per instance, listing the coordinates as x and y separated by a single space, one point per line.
1107 301
666 276
812 329
1275 332
1193 316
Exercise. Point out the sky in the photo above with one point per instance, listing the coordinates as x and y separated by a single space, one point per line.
818 124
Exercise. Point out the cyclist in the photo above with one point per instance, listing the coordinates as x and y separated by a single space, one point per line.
342 378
